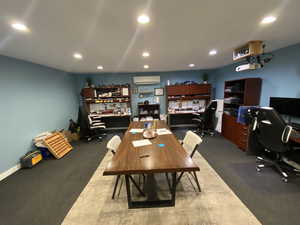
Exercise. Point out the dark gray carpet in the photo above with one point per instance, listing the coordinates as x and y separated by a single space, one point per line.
44 194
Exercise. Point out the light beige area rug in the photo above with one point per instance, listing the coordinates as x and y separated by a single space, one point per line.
215 205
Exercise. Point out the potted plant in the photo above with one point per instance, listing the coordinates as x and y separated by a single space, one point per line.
205 78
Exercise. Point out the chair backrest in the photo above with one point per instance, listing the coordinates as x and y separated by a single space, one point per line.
190 142
113 144
271 130
209 115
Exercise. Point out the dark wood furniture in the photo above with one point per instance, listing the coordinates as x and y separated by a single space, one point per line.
246 93
150 109
181 93
150 159
110 96
295 137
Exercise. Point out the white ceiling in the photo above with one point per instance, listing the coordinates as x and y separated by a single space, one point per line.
106 32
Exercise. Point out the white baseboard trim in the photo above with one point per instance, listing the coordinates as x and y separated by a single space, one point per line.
10 171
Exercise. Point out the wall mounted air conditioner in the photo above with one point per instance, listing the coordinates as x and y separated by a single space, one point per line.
143 80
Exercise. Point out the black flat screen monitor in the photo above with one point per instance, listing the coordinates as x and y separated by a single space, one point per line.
286 106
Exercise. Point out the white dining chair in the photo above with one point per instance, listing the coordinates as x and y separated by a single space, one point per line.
190 143
112 145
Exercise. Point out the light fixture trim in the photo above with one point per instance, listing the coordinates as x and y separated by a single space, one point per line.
268 20
213 52
146 54
192 65
77 55
19 27
100 67
146 66
143 19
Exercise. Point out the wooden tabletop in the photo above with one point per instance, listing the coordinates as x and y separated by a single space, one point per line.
170 158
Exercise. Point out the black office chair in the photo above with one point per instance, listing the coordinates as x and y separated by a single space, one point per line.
96 127
207 121
272 137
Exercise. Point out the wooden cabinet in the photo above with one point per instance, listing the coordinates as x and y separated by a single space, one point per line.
243 92
191 89
88 92
235 132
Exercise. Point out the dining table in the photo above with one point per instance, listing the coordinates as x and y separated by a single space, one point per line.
163 154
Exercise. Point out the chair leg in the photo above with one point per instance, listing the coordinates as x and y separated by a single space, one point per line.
115 187
178 180
121 185
196 180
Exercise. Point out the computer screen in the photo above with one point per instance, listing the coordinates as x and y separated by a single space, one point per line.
286 106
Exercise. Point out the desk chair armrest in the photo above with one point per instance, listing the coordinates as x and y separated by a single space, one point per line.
98 127
196 114
286 134
198 120
98 124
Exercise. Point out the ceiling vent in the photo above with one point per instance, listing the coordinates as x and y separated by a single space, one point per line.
144 80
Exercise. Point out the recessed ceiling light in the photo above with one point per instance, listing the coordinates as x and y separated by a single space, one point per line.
100 67
77 56
143 19
146 67
191 65
146 54
213 52
268 19
19 27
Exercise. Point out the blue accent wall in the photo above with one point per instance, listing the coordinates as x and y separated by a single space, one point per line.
281 77
34 99
123 78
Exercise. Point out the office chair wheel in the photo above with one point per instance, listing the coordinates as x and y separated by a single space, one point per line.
285 180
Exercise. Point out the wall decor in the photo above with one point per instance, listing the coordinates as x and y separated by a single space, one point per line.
158 91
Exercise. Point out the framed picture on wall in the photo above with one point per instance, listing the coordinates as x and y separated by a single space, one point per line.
158 91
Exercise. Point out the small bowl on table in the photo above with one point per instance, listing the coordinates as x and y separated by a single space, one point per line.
150 133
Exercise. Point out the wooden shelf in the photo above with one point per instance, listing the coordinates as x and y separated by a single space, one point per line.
188 98
252 48
90 95
249 96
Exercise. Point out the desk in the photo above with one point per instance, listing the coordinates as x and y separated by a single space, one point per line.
182 118
113 121
169 159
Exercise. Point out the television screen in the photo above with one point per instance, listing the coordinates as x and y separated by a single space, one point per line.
286 106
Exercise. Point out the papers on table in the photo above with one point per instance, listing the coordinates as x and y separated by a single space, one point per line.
163 131
137 130
141 143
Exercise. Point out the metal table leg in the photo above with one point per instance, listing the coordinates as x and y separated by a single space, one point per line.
150 204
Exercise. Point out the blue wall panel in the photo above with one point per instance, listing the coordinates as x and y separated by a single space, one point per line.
34 99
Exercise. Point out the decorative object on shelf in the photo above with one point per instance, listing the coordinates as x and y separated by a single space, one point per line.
125 91
205 78
158 91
